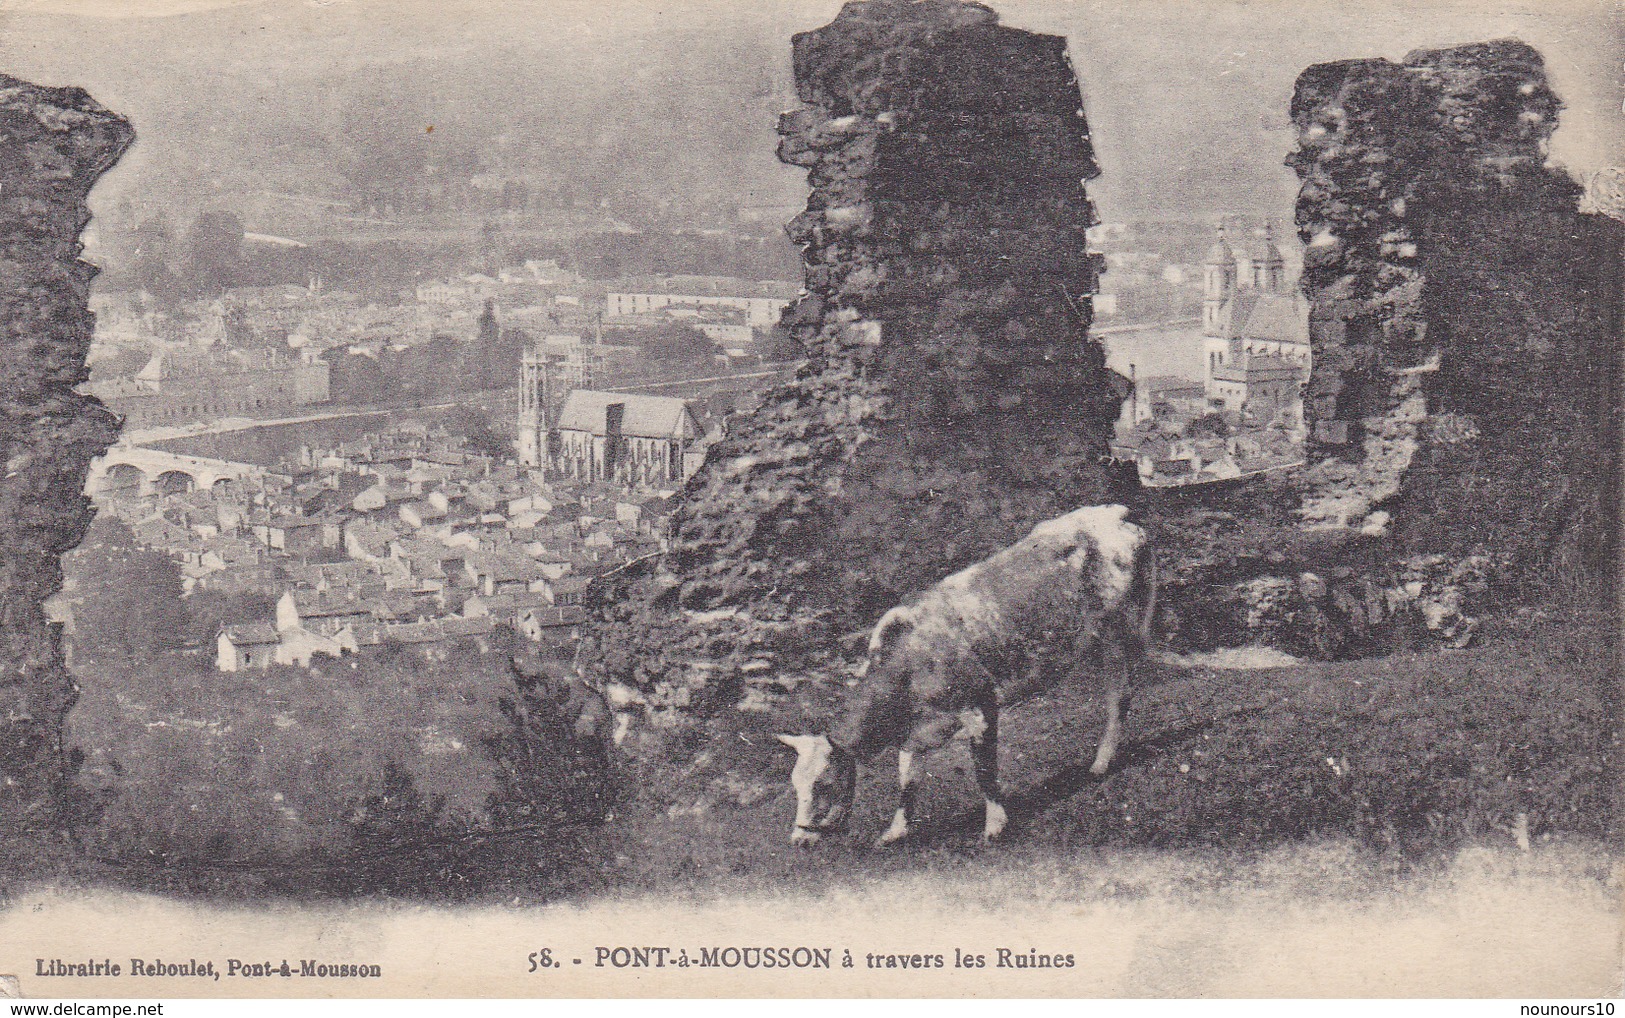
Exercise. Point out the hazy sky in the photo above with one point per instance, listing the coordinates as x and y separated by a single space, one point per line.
1186 99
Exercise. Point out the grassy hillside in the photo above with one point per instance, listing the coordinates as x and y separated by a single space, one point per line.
1400 760
1398 756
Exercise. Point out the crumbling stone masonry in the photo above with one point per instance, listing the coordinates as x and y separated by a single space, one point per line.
1465 315
54 144
1465 392
952 396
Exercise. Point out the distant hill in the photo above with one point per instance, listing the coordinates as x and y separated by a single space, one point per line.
656 115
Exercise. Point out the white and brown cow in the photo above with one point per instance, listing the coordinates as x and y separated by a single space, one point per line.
1079 588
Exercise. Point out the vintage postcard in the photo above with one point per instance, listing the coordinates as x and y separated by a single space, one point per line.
913 498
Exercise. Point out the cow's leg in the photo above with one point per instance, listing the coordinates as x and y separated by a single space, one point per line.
1118 678
928 735
1114 730
984 750
905 799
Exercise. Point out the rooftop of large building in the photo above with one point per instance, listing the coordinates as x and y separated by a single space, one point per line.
1158 384
1270 317
643 417
705 286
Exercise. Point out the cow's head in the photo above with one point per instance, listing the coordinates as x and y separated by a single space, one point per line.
824 778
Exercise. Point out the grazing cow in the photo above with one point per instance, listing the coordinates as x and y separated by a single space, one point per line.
1079 585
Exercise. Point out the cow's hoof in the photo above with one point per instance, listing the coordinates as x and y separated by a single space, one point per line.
896 832
804 839
994 825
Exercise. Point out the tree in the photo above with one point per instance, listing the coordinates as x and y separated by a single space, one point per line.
357 378
489 329
208 610
492 361
380 271
548 772
150 267
385 157
427 371
675 345
476 428
776 344
126 598
216 251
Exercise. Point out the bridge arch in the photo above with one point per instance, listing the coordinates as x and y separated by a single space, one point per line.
120 478
174 482
126 469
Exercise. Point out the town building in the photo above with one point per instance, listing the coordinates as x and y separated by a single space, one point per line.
625 439
761 301
1255 329
248 646
182 386
1164 397
573 432
1262 387
550 368
402 539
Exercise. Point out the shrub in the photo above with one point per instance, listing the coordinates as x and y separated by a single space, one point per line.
547 773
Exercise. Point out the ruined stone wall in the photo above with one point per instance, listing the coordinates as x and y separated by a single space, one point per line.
952 396
54 144
1465 393
1465 318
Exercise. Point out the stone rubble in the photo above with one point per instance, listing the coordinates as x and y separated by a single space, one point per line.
1465 394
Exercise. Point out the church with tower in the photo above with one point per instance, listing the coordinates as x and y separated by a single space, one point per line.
570 432
1255 328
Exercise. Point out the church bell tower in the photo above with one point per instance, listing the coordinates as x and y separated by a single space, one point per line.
534 398
1218 283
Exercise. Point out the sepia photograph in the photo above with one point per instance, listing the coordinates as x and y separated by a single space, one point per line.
812 499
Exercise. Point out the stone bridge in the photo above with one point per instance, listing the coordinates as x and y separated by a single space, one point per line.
153 471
